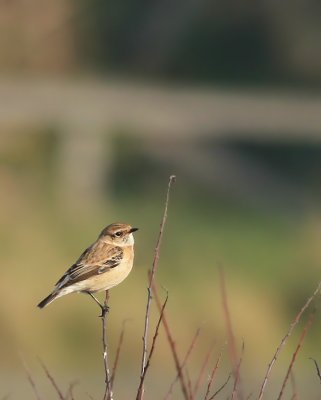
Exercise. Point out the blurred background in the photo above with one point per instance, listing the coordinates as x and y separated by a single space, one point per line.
99 103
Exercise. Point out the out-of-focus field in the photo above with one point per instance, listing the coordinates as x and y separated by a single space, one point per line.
271 259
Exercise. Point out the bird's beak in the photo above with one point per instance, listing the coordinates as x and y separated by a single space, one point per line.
133 230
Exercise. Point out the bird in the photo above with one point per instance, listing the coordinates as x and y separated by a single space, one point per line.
103 265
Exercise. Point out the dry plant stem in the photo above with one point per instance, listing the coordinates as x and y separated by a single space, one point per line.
189 385
119 347
304 332
188 353
142 379
172 345
31 381
104 311
151 280
230 333
317 368
51 379
200 377
237 375
211 380
220 388
285 338
294 387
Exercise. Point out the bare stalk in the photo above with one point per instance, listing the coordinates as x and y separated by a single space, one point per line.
230 334
31 380
304 332
285 338
237 374
317 368
221 388
142 379
152 273
190 348
294 387
172 345
104 311
52 380
119 347
200 377
70 392
211 380
189 384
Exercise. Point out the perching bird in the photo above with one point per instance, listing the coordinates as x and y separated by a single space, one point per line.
105 264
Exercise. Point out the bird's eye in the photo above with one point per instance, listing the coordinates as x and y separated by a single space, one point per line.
118 234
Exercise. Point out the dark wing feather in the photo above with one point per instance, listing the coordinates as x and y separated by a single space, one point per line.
94 261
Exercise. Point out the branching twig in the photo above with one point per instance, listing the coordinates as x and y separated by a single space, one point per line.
211 380
104 311
317 368
142 379
189 350
119 347
51 379
284 340
151 280
221 388
230 333
304 332
172 346
200 377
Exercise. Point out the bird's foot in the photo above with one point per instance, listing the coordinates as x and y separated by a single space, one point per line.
104 310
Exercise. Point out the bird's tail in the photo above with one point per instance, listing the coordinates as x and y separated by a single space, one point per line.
49 299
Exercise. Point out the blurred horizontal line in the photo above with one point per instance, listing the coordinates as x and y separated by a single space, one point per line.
181 112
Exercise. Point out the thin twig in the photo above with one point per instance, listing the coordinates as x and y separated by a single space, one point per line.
119 347
221 388
317 368
30 379
237 374
285 338
151 280
304 332
188 353
211 380
189 385
230 333
294 387
172 345
51 379
200 377
104 311
142 379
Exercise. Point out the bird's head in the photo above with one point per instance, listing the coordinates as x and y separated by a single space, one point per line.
119 234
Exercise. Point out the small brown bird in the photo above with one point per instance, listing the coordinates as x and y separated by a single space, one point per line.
105 264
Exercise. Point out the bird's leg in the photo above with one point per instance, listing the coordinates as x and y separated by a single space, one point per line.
104 307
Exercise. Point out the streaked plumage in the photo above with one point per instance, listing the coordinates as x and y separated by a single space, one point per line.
103 265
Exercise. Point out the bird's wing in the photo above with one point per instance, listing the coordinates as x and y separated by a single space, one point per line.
93 261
